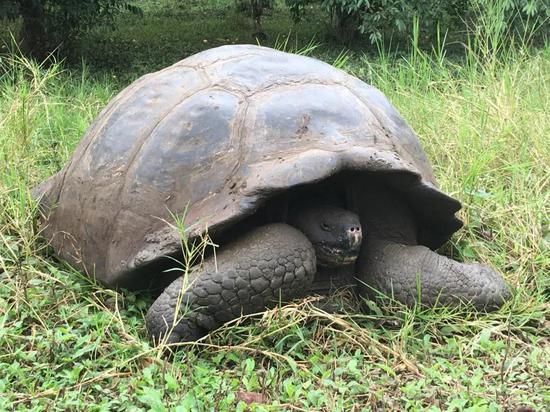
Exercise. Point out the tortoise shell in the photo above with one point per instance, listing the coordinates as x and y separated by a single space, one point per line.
217 135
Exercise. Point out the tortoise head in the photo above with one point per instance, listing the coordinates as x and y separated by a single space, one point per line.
335 233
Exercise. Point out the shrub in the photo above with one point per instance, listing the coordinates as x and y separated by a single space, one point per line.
374 18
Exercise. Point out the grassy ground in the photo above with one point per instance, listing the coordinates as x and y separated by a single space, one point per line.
68 344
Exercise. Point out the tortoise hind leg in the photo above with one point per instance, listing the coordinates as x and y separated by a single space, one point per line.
271 263
416 274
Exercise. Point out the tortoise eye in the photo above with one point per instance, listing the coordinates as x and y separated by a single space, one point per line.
324 226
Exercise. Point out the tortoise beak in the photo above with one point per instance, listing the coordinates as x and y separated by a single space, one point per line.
355 236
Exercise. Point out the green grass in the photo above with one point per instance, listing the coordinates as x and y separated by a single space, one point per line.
171 30
137 46
69 344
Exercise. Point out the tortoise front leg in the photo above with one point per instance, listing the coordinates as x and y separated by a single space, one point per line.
416 274
272 263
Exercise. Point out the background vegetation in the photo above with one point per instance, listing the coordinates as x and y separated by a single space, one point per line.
139 35
478 98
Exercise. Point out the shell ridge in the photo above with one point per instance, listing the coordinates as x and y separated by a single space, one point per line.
283 84
131 160
219 60
105 115
242 138
376 115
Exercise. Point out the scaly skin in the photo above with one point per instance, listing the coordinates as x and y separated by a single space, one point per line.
416 274
272 263
392 262
277 262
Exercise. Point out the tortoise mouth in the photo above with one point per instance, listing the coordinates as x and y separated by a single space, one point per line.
334 256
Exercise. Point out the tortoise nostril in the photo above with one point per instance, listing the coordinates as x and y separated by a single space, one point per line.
355 236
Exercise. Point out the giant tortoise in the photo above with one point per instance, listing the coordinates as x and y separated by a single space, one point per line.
293 167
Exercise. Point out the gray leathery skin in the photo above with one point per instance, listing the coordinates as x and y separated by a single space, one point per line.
413 274
272 263
392 262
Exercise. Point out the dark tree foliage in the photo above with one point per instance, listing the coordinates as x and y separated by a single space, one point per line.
375 17
48 25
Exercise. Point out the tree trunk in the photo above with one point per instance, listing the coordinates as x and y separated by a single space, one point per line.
257 8
33 33
345 25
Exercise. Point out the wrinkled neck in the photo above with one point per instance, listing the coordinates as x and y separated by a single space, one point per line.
384 213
